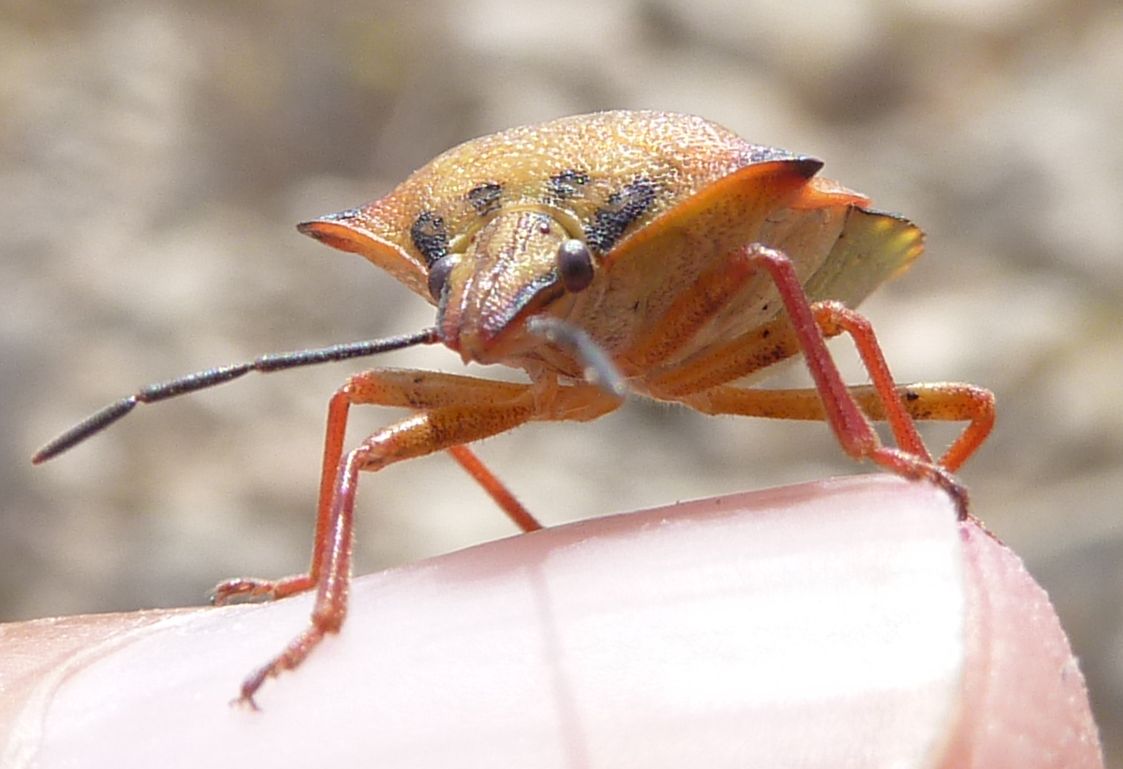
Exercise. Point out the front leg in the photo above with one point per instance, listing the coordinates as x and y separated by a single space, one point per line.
403 388
453 411
415 436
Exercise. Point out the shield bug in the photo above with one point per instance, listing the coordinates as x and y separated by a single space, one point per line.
618 253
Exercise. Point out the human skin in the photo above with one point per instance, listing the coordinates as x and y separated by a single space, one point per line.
845 623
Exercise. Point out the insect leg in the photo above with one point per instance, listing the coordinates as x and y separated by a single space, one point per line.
405 388
747 354
569 403
940 401
718 286
453 411
833 317
850 425
935 401
428 390
420 434
495 488
418 390
253 587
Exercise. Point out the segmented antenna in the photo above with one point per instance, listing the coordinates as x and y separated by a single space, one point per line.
216 376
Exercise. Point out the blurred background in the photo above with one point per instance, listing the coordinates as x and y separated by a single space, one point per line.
155 156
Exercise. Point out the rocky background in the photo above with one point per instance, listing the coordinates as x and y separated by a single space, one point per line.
154 157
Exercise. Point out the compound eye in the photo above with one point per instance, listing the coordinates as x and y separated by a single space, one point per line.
439 272
575 265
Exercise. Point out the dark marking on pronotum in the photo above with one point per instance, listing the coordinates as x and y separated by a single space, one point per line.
430 236
621 210
485 197
566 185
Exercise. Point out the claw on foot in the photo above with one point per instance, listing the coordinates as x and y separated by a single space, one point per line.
253 589
242 590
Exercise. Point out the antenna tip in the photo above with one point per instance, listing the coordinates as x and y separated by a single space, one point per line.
84 429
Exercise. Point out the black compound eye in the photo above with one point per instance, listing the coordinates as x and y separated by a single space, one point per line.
439 272
429 236
575 265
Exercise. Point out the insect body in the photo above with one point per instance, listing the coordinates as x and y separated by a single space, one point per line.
616 253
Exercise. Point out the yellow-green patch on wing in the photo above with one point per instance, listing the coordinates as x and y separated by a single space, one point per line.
874 246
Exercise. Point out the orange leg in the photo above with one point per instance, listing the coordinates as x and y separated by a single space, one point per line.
428 390
943 401
808 325
386 387
495 488
833 317
764 346
422 390
253 587
415 436
454 410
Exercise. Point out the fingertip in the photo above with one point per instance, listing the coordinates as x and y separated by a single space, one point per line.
1025 702
840 623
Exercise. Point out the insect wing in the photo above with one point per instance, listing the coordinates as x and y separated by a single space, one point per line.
874 247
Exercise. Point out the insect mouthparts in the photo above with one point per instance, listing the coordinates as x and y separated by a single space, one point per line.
599 368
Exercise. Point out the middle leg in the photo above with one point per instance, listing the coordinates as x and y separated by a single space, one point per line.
939 401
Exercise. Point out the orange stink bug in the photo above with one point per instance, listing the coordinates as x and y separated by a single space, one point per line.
605 255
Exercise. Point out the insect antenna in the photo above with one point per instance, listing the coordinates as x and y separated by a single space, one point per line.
200 380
